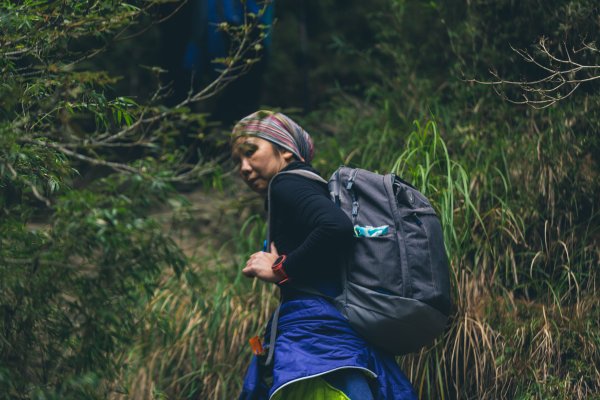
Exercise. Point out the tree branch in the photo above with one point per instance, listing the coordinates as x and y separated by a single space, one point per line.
563 75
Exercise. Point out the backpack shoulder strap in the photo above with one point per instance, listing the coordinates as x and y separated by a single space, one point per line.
306 174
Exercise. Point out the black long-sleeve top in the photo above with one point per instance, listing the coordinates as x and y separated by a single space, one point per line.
310 230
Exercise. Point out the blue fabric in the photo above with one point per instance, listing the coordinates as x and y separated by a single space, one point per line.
313 338
207 41
352 382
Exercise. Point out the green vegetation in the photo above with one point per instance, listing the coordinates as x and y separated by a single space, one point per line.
115 285
82 170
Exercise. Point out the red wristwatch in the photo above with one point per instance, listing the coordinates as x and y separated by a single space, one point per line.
277 267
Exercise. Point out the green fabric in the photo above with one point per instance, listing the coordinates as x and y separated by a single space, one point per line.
313 389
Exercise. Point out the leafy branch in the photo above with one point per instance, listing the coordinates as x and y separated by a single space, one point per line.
57 100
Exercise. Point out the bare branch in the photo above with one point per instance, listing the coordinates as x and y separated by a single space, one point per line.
160 21
563 75
91 160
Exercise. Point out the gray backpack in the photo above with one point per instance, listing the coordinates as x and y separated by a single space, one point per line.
396 285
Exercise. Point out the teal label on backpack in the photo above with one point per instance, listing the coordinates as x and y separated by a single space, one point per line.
370 231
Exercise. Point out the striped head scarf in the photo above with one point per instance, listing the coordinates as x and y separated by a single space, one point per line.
279 129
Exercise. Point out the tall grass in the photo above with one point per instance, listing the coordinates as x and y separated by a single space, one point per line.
523 326
465 355
194 342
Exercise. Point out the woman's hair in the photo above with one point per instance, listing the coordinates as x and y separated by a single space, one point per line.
278 129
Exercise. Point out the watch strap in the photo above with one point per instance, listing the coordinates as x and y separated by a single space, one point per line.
277 267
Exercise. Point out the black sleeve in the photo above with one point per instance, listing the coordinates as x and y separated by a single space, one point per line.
330 230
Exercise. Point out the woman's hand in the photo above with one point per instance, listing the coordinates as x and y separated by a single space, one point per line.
259 265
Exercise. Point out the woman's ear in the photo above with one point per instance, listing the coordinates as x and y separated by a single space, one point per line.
287 155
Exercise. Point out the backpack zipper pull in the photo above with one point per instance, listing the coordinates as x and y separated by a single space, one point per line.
354 209
351 179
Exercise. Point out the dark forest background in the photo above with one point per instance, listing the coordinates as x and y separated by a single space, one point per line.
124 227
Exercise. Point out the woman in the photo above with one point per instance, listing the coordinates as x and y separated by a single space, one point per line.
316 355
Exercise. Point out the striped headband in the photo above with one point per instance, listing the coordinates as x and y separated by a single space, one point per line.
279 129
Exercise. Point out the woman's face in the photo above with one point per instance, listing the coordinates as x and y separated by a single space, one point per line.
258 161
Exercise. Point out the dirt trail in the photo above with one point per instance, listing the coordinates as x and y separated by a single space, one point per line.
211 218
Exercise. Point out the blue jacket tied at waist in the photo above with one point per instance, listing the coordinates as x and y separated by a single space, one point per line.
313 339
